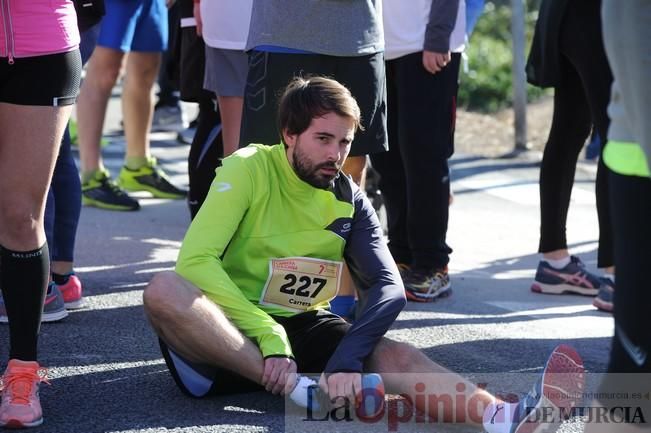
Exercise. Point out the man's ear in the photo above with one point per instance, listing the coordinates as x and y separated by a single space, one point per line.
288 139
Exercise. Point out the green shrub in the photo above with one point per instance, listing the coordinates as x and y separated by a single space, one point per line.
487 84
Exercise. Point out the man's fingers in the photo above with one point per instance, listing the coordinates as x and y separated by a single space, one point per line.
281 381
430 65
290 383
323 384
266 372
273 377
348 391
357 390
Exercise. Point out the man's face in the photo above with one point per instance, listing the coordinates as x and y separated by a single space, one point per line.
318 154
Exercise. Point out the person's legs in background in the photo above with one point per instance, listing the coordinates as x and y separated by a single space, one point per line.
392 183
582 100
63 205
225 75
205 155
570 127
140 171
426 128
167 111
62 212
101 74
27 158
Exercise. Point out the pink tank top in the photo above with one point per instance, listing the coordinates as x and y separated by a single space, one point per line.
37 27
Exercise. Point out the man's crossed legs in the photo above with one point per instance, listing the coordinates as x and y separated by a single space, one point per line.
195 332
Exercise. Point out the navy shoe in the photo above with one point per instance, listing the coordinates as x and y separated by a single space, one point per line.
604 299
573 278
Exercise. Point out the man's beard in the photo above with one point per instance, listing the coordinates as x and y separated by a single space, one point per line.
309 172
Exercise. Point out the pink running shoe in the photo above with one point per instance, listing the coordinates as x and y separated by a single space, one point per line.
20 405
71 291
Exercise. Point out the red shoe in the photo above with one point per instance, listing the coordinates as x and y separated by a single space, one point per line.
20 405
71 291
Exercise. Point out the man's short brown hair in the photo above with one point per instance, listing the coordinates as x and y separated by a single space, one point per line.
307 98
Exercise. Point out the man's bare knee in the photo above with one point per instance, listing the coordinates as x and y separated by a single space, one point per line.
158 297
393 357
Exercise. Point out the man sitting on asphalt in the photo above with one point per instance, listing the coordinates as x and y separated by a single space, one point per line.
248 304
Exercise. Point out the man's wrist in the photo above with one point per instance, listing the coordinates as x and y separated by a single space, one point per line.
196 1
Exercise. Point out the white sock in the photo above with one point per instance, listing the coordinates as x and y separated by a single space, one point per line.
558 264
299 394
611 277
498 417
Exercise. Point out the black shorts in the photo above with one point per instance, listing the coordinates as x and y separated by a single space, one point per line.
269 74
313 335
50 81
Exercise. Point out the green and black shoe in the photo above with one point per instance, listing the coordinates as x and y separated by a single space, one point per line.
100 191
150 178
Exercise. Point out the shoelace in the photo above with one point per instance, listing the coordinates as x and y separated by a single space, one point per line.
19 384
159 175
112 186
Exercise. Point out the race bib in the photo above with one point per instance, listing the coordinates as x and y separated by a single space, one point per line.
299 283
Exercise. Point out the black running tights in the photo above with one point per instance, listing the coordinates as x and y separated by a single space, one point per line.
580 100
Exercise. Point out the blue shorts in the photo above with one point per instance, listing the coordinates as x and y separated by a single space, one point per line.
134 25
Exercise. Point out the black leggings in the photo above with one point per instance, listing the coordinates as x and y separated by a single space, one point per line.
205 152
631 210
580 101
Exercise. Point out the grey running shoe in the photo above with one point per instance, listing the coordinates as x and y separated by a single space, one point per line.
573 278
167 117
427 286
53 308
604 299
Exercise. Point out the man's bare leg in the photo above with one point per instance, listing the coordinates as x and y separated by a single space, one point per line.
410 367
138 101
197 329
101 74
230 109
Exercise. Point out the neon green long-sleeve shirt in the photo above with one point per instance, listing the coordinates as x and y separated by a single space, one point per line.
266 243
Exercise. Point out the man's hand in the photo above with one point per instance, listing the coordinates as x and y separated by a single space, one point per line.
197 17
434 62
279 375
339 385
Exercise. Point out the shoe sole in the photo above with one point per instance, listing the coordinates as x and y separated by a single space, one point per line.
54 316
421 297
74 305
603 306
15 424
562 387
45 318
153 191
560 289
99 204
